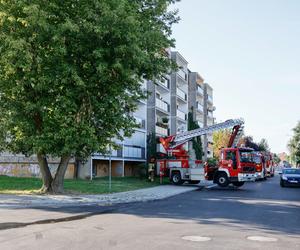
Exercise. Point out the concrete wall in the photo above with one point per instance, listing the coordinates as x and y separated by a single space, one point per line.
22 166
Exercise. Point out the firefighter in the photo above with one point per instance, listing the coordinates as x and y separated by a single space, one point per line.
151 169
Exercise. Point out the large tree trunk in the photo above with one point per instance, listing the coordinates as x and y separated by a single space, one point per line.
58 182
46 174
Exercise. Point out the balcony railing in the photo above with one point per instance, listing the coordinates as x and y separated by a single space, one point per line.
181 115
181 94
210 99
200 107
161 131
201 125
200 90
182 74
141 122
164 82
162 105
134 152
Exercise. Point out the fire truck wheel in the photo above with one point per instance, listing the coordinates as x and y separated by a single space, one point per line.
238 183
176 178
222 180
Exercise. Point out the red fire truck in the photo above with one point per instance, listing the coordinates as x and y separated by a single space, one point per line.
235 165
269 164
261 171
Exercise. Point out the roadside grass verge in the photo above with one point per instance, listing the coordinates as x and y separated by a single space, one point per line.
22 185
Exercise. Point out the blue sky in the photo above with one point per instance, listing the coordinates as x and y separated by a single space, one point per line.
249 52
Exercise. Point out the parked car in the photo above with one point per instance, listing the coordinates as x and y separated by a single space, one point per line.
290 177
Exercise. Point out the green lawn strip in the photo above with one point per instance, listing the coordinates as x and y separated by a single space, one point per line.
22 185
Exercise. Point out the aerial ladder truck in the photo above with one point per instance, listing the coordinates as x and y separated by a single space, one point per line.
235 165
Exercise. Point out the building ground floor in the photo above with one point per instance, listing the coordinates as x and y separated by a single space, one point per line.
21 166
99 166
119 168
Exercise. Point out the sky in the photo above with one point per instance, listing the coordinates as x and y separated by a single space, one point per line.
249 52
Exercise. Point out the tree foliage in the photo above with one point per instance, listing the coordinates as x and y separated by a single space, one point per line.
197 143
294 144
220 140
276 159
247 141
70 73
263 145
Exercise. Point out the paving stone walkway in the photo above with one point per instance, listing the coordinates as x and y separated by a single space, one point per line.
147 194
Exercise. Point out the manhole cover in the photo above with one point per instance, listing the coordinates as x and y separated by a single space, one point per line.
196 238
261 238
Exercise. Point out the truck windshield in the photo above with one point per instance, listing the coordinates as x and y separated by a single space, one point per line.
246 156
256 159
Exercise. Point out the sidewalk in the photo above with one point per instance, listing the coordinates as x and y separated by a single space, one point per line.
21 210
147 194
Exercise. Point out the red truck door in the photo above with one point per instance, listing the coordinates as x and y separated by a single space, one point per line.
231 158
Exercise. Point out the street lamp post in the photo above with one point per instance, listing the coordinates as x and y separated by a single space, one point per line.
109 172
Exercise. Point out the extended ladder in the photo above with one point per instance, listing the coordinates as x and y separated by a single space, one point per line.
238 136
188 135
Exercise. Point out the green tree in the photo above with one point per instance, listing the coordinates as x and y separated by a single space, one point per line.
197 143
294 144
276 159
263 145
70 74
220 140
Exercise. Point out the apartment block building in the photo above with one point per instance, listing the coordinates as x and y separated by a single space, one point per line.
196 97
167 105
208 119
201 104
158 106
179 94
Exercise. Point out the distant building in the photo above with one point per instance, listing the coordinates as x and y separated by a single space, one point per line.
283 156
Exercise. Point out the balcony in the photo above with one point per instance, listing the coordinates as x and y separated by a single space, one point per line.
134 152
181 115
164 83
210 99
201 125
210 115
200 90
181 94
162 105
161 131
200 107
141 122
182 74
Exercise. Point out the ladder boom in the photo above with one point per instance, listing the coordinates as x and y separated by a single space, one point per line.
188 135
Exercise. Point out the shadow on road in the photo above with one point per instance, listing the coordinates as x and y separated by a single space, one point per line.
264 207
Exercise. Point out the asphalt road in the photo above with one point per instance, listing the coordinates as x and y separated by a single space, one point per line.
259 215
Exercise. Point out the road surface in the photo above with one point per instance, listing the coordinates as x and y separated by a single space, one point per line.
260 215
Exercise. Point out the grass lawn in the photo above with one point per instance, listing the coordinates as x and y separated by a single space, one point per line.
21 185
